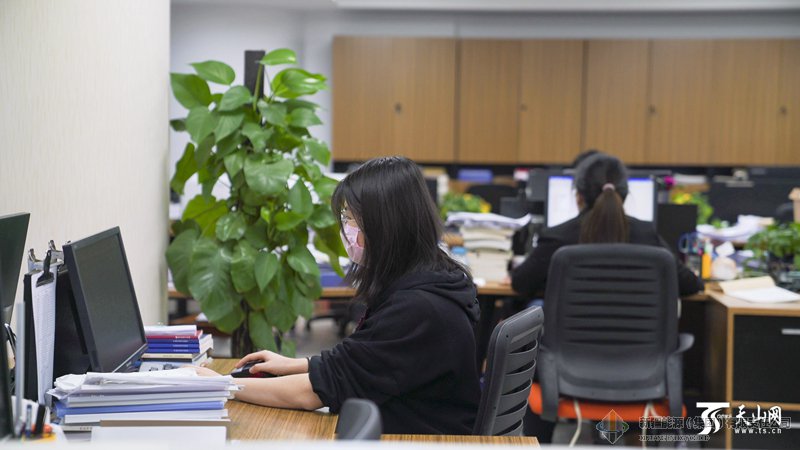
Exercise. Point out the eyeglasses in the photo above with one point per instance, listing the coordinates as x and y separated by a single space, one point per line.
346 219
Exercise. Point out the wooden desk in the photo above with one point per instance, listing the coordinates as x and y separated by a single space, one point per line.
252 422
753 354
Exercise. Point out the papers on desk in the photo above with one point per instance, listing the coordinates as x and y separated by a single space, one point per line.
178 394
745 227
203 435
758 290
487 220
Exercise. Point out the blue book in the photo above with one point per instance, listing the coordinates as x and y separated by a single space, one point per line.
62 410
173 341
180 348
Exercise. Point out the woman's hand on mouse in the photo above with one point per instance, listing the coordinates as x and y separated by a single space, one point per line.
271 362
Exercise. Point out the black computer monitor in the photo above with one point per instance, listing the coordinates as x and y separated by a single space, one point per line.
760 197
105 302
13 231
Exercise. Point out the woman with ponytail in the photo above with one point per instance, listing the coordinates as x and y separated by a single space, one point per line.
601 185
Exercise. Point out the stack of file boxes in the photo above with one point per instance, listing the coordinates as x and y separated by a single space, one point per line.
175 346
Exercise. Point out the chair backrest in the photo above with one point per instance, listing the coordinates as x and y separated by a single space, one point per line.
611 321
359 419
492 193
510 365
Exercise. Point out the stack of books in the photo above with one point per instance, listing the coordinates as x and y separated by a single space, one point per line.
170 395
176 345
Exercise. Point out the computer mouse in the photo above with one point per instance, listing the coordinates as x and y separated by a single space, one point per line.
244 371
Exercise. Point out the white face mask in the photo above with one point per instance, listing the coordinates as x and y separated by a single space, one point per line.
350 241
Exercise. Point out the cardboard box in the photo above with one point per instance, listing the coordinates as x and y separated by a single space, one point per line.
794 196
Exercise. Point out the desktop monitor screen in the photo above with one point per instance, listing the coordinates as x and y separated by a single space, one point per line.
562 206
108 312
13 231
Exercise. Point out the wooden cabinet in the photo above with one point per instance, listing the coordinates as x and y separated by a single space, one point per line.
488 107
551 91
393 96
745 102
616 98
681 82
362 101
487 101
788 145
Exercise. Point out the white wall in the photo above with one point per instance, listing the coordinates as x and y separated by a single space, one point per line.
320 27
83 127
201 32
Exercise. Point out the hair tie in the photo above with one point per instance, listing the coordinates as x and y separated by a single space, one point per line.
609 186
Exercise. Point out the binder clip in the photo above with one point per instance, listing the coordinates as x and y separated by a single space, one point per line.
47 276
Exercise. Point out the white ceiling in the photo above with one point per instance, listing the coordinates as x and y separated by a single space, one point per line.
518 5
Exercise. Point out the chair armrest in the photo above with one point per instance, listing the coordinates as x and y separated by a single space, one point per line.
685 342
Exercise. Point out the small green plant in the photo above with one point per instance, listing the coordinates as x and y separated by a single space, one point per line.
704 208
456 201
777 248
244 258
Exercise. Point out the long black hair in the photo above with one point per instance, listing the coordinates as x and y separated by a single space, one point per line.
392 206
602 181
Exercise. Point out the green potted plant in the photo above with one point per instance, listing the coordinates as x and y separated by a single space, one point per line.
245 258
456 201
777 249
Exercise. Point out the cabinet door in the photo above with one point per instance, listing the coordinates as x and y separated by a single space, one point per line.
551 89
745 120
681 85
788 152
488 111
362 98
424 88
616 98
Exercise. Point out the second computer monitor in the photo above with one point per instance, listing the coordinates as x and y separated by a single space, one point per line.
108 312
13 231
562 206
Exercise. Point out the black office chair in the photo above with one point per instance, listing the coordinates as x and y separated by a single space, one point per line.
492 193
612 332
510 366
360 420
785 213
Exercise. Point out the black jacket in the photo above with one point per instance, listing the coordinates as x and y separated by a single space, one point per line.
413 355
530 277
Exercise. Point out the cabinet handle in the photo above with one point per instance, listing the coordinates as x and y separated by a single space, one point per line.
398 107
523 107
652 110
790 331
783 110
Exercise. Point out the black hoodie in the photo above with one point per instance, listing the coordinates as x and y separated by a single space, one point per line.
413 355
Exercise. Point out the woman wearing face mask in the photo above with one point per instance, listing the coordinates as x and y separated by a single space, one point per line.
414 351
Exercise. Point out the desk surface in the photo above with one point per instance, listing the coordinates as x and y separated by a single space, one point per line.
252 422
738 306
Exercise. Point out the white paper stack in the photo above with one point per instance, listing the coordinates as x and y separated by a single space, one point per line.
167 395
758 290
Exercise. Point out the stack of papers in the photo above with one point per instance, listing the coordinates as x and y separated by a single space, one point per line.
166 395
176 345
487 238
486 220
758 290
